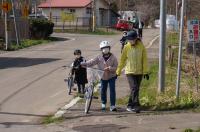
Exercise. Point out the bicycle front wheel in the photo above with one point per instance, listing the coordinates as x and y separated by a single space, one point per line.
88 98
70 84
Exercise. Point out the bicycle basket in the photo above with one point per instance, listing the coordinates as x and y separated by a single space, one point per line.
94 75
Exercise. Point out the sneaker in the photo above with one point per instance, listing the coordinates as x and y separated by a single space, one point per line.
136 109
103 107
129 109
113 108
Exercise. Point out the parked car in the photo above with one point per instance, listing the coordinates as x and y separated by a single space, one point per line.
123 25
171 23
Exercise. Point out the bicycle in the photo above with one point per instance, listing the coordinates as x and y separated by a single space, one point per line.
69 81
94 76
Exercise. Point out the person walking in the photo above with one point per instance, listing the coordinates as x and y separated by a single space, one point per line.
123 40
106 62
140 29
134 59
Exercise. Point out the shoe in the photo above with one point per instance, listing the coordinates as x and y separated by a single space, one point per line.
129 109
113 108
136 109
103 107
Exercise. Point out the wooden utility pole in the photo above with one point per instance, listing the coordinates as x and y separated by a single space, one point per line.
93 15
15 23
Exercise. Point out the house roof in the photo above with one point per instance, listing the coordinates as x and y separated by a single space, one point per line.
64 3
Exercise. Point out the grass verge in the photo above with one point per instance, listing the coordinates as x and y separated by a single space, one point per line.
149 97
30 42
51 119
85 31
191 130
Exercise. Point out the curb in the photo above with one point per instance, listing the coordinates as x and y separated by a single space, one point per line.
63 110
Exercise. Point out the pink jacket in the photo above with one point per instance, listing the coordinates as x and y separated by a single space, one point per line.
101 64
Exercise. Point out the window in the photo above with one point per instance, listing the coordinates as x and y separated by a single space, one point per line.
88 10
72 10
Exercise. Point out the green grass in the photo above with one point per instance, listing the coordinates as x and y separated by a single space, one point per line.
30 42
52 119
86 31
173 38
191 130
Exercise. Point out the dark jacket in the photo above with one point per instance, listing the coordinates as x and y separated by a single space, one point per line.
79 71
123 40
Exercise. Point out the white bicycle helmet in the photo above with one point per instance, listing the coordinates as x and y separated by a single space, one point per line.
104 44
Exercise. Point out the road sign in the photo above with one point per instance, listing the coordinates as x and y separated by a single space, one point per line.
67 17
193 30
6 7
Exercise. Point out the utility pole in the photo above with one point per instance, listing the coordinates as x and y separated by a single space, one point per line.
50 13
180 50
93 15
16 31
35 8
162 46
177 10
109 13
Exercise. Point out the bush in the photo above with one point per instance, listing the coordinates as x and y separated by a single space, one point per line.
40 28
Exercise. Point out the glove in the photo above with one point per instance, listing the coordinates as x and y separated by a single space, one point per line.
146 76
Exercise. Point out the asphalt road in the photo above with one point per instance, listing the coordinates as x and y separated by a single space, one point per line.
31 80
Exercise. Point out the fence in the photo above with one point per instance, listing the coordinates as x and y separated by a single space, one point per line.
77 23
22 27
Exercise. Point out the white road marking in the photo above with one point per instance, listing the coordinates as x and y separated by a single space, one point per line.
56 94
152 41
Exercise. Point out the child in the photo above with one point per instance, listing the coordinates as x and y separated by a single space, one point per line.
108 63
79 71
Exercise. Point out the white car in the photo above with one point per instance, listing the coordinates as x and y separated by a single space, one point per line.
171 23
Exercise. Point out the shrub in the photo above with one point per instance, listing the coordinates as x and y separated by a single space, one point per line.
40 28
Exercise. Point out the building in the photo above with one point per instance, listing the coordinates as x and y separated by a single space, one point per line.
78 12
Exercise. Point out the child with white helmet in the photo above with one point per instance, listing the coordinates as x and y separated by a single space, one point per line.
108 63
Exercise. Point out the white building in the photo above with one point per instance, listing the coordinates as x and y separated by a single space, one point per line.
81 10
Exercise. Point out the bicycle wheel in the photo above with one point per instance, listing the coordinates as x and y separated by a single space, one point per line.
70 84
88 98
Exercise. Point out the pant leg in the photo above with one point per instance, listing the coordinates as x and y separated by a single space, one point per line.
79 87
134 83
130 82
136 101
83 88
112 91
104 85
140 33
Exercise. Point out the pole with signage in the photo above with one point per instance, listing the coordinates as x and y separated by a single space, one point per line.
193 37
6 7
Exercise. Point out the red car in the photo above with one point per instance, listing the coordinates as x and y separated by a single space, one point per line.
123 25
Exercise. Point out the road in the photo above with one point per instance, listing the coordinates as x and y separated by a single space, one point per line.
31 80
